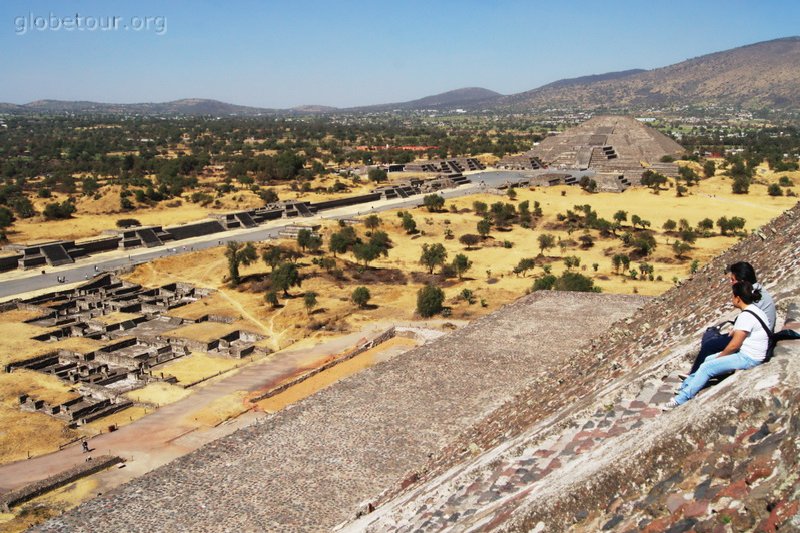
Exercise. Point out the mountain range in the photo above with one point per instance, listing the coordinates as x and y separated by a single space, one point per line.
764 75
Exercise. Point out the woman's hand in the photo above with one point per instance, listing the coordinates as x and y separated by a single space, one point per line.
737 338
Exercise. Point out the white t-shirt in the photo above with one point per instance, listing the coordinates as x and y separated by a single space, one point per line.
757 341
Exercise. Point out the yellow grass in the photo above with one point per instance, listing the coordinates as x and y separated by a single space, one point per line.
118 419
115 317
37 385
158 394
21 431
221 410
48 505
18 315
35 433
206 331
213 304
197 366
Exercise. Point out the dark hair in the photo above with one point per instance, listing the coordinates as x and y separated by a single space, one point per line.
745 291
743 271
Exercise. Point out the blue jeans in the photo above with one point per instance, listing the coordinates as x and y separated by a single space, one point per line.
714 365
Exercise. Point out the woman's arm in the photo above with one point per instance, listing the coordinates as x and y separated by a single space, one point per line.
737 338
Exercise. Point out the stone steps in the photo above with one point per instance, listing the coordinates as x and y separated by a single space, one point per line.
472 497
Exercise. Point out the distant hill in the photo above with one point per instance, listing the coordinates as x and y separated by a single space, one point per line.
467 98
583 80
761 75
188 106
765 74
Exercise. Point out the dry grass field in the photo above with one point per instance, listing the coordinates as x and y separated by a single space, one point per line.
197 366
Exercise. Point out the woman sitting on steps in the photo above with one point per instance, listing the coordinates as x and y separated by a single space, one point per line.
747 348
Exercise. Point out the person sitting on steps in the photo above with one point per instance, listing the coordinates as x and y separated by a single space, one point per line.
741 271
747 348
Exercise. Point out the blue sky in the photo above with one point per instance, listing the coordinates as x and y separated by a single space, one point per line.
346 53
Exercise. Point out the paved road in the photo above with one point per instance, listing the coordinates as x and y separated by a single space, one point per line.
17 282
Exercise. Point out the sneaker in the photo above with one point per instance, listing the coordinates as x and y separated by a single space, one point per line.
672 404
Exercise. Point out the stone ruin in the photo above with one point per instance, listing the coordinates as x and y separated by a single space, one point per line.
133 324
525 420
618 149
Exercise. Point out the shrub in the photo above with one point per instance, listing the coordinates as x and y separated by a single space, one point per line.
360 296
774 190
128 223
545 283
429 300
54 211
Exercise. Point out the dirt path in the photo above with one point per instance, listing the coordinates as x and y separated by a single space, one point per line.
244 312
172 430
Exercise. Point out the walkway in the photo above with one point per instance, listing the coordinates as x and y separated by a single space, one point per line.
170 431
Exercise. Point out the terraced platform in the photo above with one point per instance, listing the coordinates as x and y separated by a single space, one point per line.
309 466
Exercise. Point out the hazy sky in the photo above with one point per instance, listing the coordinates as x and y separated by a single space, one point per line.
342 53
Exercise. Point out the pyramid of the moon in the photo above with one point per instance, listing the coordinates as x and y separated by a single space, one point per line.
605 144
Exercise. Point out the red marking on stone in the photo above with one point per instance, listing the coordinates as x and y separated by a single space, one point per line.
555 463
658 526
410 480
543 453
760 468
637 404
780 514
740 438
736 490
650 412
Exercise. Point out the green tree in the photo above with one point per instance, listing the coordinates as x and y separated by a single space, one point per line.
654 180
546 241
372 222
572 261
774 190
271 298
272 256
740 185
620 216
524 265
480 208
709 168
669 225
705 225
461 264
284 277
484 227
573 281
303 238
433 202
366 252
237 254
545 283
6 217
310 301
429 301
469 240
433 255
587 184
680 248
360 296
377 175
409 224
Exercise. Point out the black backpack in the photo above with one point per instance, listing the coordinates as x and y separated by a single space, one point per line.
774 337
